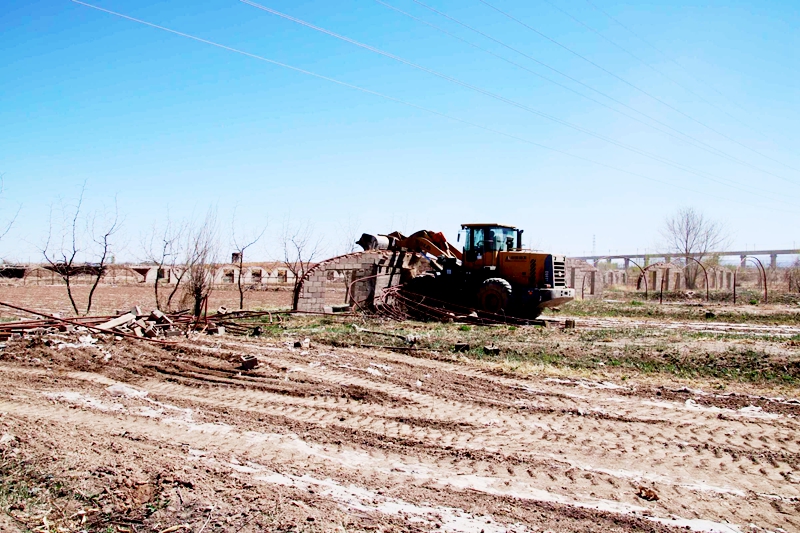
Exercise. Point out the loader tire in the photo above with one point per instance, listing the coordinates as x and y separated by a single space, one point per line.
494 295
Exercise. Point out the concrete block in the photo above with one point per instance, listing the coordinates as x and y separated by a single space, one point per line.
158 316
248 362
127 318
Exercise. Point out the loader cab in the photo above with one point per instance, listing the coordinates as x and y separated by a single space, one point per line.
484 242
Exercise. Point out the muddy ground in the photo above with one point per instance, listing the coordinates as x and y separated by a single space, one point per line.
98 434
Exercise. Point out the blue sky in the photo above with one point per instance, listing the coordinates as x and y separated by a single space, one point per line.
169 125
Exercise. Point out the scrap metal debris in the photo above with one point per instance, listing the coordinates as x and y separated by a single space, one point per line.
153 326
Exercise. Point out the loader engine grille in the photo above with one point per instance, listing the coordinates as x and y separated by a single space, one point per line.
559 273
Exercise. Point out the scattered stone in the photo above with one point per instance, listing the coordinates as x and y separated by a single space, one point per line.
305 344
249 362
215 330
646 493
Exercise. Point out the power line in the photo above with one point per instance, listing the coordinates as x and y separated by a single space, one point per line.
490 94
709 148
642 61
734 183
668 58
408 104
626 82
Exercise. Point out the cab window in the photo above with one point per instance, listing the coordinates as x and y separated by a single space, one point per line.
500 240
477 239
473 243
467 240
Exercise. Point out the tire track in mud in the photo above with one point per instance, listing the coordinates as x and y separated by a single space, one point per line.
575 406
760 444
303 458
519 432
463 379
518 428
501 437
223 440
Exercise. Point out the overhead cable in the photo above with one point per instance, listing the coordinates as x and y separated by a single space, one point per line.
415 106
626 82
707 146
637 58
671 60
698 144
498 97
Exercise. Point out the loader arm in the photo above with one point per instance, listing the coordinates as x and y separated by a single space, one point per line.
430 242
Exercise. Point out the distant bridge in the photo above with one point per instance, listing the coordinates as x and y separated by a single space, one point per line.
646 257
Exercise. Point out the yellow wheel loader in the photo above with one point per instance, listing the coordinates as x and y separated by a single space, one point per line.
491 273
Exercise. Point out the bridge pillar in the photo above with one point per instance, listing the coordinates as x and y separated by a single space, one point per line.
773 261
646 260
627 263
667 259
744 261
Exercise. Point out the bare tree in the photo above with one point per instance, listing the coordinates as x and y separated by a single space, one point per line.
240 245
164 248
690 234
300 248
79 241
792 276
202 250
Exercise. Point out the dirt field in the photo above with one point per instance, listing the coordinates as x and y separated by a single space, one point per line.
109 299
109 435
